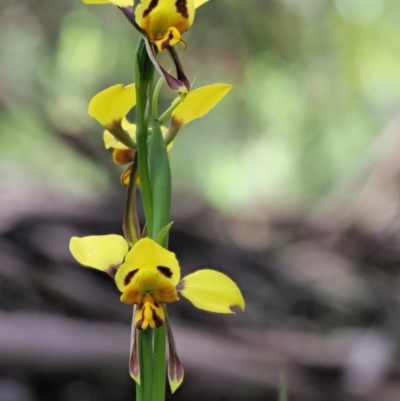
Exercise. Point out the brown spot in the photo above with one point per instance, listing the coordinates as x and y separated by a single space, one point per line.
153 4
165 271
233 308
181 7
130 276
112 270
139 324
157 320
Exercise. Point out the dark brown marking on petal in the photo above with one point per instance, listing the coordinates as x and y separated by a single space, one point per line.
179 70
167 43
165 271
175 367
130 276
139 324
172 82
233 308
153 4
130 14
112 270
181 286
157 320
181 6
134 366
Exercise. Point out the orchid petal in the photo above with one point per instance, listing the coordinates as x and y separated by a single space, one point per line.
198 3
111 105
101 252
134 366
147 255
173 83
118 3
175 367
199 102
212 291
155 18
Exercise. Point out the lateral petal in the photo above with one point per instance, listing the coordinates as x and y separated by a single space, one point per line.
199 102
198 3
212 291
112 104
101 252
118 3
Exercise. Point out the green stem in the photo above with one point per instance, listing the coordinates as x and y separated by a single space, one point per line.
171 134
160 174
171 108
143 78
154 103
146 362
159 369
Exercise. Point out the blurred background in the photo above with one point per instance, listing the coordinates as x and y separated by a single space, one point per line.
291 186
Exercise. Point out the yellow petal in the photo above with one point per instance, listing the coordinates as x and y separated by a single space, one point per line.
96 1
199 102
131 295
102 252
212 291
149 314
171 38
165 293
198 3
155 18
111 142
112 104
118 3
146 254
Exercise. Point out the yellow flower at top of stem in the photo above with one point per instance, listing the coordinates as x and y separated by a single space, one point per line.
161 21
164 21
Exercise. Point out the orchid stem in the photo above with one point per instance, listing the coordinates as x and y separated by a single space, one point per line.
167 113
142 87
146 363
154 105
159 369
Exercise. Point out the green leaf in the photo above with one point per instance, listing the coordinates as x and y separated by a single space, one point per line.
163 233
160 179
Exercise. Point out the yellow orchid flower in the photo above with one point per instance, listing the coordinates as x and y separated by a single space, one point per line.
162 21
122 154
110 107
148 276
